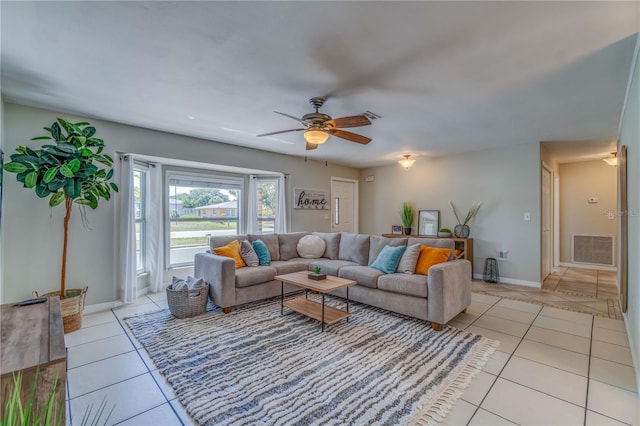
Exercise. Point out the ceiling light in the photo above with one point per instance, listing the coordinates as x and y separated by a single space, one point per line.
612 161
316 136
407 162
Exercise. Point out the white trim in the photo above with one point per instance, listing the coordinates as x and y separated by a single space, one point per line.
550 242
629 83
515 281
100 307
556 219
588 266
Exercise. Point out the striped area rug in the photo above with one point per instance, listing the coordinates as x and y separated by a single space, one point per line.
254 366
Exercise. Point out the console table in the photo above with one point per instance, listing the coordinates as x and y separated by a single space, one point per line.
33 336
464 244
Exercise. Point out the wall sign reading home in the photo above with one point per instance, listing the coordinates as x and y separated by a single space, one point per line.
310 199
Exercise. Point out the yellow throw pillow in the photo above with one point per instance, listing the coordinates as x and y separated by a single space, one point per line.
430 256
231 250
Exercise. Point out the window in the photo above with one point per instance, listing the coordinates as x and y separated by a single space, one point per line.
266 197
199 206
140 212
266 205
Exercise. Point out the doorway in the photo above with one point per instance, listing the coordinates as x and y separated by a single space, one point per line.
344 205
547 211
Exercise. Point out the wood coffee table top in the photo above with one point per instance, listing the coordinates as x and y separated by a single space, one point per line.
327 285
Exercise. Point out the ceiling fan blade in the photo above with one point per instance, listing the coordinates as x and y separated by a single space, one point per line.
353 121
353 137
281 131
311 146
290 116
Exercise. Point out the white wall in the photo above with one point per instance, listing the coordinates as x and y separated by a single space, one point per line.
506 180
630 136
32 240
578 182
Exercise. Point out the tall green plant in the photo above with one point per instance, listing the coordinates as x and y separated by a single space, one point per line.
66 171
407 214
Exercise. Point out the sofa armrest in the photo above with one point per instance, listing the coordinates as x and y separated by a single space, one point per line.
448 290
220 273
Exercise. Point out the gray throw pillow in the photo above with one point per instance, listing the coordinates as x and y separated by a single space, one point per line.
409 259
248 254
179 284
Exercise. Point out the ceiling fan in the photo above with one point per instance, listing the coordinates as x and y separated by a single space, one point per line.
318 126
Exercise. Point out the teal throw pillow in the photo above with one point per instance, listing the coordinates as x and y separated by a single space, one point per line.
264 258
388 259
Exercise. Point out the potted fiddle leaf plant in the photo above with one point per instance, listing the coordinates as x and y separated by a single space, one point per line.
407 213
68 171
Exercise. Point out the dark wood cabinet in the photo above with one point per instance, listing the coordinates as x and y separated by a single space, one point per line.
32 341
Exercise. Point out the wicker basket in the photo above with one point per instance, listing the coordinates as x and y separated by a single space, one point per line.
71 307
187 303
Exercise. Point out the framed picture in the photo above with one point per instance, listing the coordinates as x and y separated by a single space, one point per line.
396 229
428 222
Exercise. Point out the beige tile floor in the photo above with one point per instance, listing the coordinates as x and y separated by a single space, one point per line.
580 290
553 366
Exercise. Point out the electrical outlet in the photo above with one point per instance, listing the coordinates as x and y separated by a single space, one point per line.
527 216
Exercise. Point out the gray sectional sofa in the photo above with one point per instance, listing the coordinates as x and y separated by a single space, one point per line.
437 298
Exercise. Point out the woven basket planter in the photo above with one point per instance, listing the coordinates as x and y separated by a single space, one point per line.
71 307
187 303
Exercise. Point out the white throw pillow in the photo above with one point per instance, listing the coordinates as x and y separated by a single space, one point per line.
311 247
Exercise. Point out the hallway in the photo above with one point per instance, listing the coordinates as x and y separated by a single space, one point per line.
580 290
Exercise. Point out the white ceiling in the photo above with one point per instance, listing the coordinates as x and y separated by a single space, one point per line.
446 77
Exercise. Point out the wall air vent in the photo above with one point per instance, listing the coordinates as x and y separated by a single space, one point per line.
371 115
592 249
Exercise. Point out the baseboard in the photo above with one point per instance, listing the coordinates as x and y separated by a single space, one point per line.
504 280
583 266
99 307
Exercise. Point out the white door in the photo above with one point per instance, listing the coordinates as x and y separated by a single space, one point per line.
547 239
344 205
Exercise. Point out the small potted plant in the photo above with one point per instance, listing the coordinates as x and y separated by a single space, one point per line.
407 214
317 275
67 170
444 233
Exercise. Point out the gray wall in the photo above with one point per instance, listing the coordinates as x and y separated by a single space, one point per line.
578 182
506 180
32 240
630 136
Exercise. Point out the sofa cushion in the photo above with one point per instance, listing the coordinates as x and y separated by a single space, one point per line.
246 277
224 240
363 275
354 247
248 253
332 240
430 256
231 250
271 241
330 267
388 259
288 245
411 285
262 251
311 247
409 259
291 265
377 243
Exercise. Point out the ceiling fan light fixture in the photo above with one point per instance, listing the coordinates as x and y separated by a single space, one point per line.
316 136
407 162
